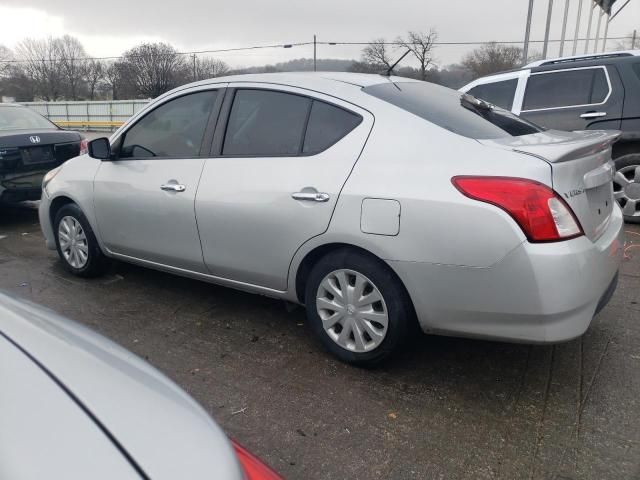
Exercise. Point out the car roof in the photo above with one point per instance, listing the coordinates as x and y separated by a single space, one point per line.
331 83
593 57
300 78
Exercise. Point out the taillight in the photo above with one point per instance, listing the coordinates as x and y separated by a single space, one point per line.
540 212
84 146
253 468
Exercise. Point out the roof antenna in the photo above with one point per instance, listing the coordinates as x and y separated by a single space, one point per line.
390 69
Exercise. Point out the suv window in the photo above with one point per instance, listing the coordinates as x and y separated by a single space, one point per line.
327 125
264 123
636 68
451 110
566 88
500 93
174 129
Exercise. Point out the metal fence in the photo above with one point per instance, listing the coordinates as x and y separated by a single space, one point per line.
97 115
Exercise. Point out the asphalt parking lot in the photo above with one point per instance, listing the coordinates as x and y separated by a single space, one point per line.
445 408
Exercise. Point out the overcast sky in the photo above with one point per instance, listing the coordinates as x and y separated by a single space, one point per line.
107 28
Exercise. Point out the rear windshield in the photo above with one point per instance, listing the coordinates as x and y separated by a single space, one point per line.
20 118
457 112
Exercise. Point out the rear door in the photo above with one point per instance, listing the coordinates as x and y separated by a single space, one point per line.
574 99
144 198
282 156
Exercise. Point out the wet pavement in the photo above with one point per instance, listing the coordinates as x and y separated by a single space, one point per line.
444 408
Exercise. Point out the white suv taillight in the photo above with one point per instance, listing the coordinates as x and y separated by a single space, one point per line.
540 212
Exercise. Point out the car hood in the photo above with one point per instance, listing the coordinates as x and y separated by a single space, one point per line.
164 430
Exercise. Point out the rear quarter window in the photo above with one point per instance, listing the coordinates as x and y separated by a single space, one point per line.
327 125
500 93
448 109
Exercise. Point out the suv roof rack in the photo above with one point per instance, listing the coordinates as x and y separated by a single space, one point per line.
583 58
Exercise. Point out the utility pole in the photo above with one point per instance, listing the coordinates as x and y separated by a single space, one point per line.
315 49
586 45
545 48
606 33
595 48
575 36
527 33
195 74
633 40
564 26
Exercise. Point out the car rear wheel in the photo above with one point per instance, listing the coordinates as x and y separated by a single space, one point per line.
626 186
76 243
357 307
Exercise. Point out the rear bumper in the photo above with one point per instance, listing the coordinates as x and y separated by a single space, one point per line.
539 293
14 195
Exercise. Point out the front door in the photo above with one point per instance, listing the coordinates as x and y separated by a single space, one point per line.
574 99
144 198
281 163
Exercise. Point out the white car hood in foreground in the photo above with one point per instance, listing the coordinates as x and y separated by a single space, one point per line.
166 433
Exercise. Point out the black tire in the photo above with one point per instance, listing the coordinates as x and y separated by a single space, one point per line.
630 160
398 305
96 262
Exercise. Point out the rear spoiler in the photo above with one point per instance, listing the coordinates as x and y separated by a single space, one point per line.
556 146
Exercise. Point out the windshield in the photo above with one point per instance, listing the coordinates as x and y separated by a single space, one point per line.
20 118
457 112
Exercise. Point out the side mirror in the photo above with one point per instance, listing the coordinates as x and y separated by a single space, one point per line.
100 149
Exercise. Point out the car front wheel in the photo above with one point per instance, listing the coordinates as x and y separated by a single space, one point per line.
76 243
357 307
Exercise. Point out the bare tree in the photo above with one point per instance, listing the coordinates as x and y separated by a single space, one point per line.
43 66
421 45
6 57
208 67
492 58
631 42
155 68
378 55
94 73
73 63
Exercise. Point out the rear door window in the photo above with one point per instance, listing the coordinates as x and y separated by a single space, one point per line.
266 123
566 89
500 93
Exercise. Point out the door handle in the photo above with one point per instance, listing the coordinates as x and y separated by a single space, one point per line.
311 196
173 187
593 114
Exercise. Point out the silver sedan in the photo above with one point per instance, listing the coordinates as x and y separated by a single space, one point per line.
76 406
377 202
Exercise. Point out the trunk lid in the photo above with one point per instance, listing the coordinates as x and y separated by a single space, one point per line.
581 170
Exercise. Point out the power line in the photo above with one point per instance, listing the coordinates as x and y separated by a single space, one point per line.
459 43
295 44
193 52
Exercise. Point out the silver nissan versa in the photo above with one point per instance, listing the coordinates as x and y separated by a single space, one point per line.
376 202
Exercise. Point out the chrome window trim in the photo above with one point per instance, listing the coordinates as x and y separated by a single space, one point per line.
602 67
